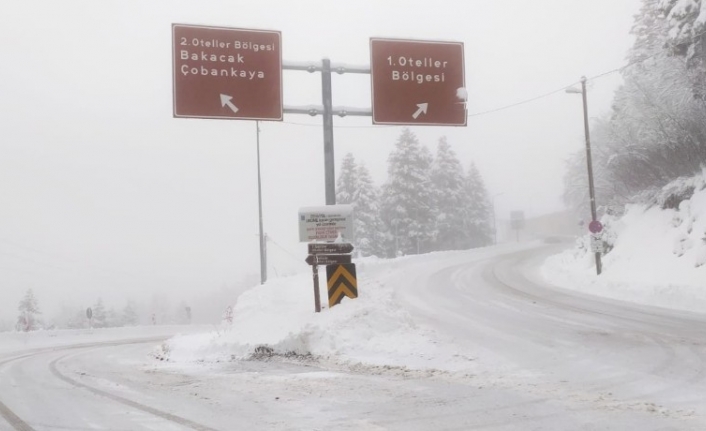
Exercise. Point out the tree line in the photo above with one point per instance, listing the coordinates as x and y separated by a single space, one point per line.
29 317
428 202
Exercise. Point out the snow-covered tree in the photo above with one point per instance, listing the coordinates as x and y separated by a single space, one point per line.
347 183
28 318
113 319
478 218
450 198
130 317
183 314
369 230
657 129
407 205
100 317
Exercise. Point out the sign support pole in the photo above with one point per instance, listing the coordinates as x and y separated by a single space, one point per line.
329 164
317 295
263 245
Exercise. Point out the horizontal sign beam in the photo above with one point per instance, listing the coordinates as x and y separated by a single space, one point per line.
316 66
341 111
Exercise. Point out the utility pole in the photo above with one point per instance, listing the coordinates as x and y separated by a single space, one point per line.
589 163
263 245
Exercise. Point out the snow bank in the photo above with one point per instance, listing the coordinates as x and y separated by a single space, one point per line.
278 319
658 254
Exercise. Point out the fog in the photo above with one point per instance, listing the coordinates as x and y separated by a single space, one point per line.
104 194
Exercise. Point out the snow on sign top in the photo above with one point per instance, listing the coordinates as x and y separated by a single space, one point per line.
326 223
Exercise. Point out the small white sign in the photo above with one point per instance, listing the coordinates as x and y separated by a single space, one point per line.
596 244
326 223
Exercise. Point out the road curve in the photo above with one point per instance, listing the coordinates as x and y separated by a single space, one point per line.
35 394
563 346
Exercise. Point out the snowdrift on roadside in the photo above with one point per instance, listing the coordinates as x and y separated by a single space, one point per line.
278 318
658 254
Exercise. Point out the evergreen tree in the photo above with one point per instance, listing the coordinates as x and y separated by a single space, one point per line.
130 317
113 319
347 183
450 199
477 220
183 314
28 318
406 206
656 132
100 318
369 230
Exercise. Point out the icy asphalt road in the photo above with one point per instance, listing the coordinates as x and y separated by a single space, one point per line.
546 359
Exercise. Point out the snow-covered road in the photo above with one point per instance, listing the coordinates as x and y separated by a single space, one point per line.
543 358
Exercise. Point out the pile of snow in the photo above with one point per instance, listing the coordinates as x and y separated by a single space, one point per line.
657 252
278 318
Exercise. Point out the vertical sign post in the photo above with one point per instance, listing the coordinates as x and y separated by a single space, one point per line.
329 164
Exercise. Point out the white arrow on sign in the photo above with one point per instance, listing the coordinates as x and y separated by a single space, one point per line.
226 101
422 110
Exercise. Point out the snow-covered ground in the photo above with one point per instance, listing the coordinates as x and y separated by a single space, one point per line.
375 329
455 340
658 256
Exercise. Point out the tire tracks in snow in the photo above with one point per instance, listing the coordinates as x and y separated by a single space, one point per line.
18 424
125 401
663 333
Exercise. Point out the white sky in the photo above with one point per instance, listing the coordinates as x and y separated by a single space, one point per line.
103 193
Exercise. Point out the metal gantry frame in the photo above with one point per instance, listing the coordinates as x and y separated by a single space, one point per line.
327 111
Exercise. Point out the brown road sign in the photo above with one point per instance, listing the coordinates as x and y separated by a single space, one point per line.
226 73
330 248
417 82
342 282
328 259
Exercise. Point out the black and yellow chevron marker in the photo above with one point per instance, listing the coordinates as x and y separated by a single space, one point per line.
341 281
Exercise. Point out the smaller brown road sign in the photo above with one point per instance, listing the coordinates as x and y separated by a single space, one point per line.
330 248
328 259
342 282
226 73
417 82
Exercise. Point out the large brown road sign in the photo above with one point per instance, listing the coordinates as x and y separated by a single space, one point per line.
227 73
417 82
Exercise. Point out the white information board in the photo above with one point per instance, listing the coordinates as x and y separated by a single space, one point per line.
326 223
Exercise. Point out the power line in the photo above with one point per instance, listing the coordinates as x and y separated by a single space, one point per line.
523 102
292 255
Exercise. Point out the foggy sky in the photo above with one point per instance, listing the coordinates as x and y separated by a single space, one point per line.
103 193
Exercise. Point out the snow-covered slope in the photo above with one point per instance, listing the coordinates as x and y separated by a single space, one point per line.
658 254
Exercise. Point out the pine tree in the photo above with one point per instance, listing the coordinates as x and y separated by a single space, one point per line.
477 219
130 317
183 314
347 183
450 199
100 318
406 206
369 230
113 319
28 318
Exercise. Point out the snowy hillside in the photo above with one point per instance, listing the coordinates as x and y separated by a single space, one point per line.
657 251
